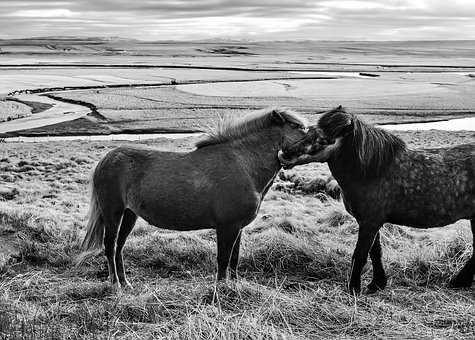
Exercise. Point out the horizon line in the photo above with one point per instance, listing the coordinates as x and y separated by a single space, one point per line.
217 40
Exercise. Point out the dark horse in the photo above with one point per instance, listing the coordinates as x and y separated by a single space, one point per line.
384 181
219 185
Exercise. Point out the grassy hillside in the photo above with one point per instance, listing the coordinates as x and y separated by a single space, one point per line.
294 263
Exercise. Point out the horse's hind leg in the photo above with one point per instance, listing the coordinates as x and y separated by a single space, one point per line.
464 278
112 222
128 222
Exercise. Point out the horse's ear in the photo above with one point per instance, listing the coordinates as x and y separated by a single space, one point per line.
348 128
278 117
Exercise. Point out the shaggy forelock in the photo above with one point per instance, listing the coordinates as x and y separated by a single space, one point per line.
373 149
333 122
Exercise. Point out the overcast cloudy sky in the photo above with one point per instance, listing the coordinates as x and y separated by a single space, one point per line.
241 19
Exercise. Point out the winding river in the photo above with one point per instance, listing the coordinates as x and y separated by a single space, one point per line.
63 111
462 124
59 112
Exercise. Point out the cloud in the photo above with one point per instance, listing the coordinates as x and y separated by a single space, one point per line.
265 19
354 5
43 13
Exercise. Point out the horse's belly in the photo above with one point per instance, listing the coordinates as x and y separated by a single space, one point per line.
187 204
177 220
182 215
433 214
417 220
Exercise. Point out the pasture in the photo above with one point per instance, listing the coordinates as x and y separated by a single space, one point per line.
293 268
295 257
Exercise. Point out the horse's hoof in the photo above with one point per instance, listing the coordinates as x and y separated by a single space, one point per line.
126 285
374 287
115 287
371 290
457 282
354 290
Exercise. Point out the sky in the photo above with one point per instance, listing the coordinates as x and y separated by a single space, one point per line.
241 19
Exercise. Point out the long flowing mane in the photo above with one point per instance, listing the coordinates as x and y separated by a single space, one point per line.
370 149
228 128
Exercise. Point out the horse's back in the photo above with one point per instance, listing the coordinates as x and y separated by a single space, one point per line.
126 163
457 153
179 190
455 163
435 186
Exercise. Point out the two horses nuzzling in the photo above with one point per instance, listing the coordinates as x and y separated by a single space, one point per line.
222 183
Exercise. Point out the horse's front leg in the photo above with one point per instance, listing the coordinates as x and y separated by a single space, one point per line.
464 278
228 242
366 235
233 263
379 276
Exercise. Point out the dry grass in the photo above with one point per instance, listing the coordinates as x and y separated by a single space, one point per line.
12 110
294 264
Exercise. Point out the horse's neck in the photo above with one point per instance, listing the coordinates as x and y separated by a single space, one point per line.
347 172
260 154
344 169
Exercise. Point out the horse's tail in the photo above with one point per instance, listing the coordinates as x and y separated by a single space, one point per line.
95 226
93 240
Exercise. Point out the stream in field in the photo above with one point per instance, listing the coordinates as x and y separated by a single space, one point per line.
113 137
461 124
62 111
59 112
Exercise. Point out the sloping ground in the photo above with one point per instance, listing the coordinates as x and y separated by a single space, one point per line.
294 263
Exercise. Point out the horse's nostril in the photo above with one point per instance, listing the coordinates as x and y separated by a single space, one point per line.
282 156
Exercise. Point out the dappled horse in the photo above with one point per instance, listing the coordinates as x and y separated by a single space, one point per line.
384 181
219 185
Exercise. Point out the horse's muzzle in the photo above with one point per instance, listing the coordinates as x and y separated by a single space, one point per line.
284 162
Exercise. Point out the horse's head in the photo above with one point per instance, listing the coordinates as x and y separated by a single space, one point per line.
320 142
291 125
313 147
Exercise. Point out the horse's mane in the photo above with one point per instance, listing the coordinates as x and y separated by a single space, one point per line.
374 149
231 127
